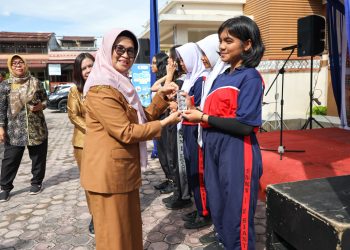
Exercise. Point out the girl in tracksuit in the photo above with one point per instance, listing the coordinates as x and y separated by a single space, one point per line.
230 119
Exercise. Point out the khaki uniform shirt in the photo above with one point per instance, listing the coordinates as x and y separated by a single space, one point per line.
76 114
111 155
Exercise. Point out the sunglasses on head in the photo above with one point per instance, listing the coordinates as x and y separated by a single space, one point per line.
120 50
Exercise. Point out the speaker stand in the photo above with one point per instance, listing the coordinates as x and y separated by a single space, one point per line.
275 115
281 149
311 94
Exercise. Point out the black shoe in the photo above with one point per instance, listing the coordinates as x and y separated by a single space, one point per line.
162 185
168 189
169 199
208 238
214 246
35 189
4 196
178 204
198 222
190 216
91 227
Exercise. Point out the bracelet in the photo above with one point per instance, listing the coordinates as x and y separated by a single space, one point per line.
202 117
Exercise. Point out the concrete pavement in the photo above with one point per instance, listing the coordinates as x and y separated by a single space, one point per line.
58 217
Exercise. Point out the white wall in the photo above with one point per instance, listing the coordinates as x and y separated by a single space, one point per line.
296 92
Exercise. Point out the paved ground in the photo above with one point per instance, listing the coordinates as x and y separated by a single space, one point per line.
58 217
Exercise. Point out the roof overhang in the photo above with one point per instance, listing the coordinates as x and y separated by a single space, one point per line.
194 16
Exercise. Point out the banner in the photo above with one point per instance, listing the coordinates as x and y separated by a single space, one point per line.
141 79
337 44
54 69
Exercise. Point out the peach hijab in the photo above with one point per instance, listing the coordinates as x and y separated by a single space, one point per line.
103 73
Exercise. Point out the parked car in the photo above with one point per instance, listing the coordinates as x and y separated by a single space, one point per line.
58 98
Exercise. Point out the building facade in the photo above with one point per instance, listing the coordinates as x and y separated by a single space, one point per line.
182 21
44 52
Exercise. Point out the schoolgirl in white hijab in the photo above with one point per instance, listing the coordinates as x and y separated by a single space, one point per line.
191 57
210 48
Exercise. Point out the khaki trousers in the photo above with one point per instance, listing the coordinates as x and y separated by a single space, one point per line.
117 220
78 152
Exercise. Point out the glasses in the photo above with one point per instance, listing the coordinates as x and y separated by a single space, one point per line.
17 63
120 50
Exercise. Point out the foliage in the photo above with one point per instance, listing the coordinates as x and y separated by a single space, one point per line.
319 110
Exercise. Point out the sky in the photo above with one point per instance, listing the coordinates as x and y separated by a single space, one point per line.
74 17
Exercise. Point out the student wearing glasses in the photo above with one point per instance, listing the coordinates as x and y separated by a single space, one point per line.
117 128
22 124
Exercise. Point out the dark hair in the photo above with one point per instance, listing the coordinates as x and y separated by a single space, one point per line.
161 62
77 77
3 74
173 55
244 28
132 37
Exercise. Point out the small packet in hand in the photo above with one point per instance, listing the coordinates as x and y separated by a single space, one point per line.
181 101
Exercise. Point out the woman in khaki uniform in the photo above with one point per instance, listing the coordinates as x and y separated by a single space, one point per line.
117 128
76 109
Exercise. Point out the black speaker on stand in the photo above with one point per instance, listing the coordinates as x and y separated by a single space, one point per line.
311 35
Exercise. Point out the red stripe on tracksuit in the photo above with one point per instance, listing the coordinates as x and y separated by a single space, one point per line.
248 163
202 190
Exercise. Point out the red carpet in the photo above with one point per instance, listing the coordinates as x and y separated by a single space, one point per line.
327 153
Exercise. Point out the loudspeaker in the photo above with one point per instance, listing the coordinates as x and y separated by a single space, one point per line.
311 35
143 56
309 215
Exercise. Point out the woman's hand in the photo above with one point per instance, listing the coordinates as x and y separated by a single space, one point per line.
37 107
167 89
158 84
173 106
171 68
173 118
2 135
171 96
194 115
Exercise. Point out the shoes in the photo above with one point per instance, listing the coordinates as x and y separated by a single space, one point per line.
208 238
91 227
168 189
169 199
214 246
4 196
162 185
190 216
178 204
198 222
35 189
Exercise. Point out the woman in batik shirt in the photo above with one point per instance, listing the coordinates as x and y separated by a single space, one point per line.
22 124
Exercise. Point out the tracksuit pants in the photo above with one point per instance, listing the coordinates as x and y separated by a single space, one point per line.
195 168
